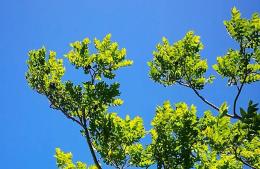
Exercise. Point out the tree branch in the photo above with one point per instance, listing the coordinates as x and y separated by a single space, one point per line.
83 124
91 148
62 110
197 93
242 52
89 141
204 100
88 138
235 101
238 94
70 117
183 84
245 163
240 159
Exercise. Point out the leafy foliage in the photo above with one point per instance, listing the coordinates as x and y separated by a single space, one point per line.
241 66
86 103
217 143
173 135
64 161
179 138
114 137
180 63
107 58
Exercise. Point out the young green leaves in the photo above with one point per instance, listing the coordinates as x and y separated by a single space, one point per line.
173 135
87 102
179 63
243 65
114 137
182 140
179 138
45 76
44 73
106 59
64 161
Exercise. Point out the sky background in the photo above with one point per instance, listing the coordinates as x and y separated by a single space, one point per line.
30 130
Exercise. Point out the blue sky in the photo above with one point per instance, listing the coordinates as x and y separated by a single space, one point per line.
30 130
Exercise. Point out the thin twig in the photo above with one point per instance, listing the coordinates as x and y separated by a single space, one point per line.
203 99
245 163
240 159
235 101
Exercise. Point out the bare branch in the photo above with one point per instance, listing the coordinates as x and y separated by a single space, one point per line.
183 84
235 101
204 100
245 162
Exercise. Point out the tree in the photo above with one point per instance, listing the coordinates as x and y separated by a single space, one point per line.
180 139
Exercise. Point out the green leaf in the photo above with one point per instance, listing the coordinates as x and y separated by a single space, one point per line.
223 110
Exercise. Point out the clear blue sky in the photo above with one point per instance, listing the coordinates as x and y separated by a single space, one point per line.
30 130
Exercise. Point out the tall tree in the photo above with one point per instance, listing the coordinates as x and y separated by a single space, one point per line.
180 139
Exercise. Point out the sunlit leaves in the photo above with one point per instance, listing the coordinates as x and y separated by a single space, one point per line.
244 31
115 138
173 135
251 120
215 131
64 161
223 110
118 102
179 138
245 143
233 142
44 73
250 151
87 103
80 55
141 156
103 62
241 66
45 76
179 63
220 143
